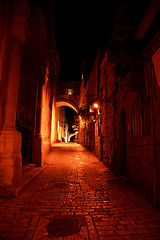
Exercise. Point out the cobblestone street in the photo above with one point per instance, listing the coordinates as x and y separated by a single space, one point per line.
75 183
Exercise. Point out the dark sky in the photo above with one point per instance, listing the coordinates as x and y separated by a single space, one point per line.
82 27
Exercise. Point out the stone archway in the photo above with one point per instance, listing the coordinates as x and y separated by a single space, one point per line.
65 102
60 126
71 135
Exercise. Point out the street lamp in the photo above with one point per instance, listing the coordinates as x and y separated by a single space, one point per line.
95 105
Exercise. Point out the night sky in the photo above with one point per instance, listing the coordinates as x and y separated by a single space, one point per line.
82 27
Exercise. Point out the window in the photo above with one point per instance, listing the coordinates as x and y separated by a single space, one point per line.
69 92
82 76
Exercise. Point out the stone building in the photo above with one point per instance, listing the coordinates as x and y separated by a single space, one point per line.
68 93
124 127
29 66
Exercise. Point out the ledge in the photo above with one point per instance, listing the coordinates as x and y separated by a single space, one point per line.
14 191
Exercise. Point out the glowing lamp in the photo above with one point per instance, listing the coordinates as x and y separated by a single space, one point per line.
95 105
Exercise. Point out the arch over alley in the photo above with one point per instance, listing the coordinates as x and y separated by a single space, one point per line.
65 102
66 119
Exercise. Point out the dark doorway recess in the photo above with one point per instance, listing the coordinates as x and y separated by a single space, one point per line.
26 144
92 137
123 149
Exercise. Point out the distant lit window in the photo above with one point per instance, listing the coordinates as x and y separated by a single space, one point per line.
69 92
82 76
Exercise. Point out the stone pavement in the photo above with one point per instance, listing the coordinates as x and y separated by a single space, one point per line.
76 185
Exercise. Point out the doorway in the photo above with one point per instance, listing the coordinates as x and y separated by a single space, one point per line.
92 137
123 144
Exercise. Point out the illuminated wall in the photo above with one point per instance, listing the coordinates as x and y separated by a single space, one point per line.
4 41
46 114
27 54
53 123
60 123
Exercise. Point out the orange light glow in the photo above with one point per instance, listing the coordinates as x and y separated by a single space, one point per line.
53 124
95 105
45 113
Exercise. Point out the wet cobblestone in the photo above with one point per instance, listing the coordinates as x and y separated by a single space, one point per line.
75 182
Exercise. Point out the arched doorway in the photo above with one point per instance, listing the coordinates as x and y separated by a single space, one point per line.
66 121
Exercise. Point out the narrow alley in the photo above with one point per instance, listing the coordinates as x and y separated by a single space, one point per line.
80 194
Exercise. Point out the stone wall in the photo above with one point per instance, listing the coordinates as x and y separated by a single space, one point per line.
27 86
46 114
133 154
10 60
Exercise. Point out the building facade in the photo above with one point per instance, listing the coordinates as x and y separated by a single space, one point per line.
124 127
28 73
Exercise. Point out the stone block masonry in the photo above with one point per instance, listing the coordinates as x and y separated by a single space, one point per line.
75 183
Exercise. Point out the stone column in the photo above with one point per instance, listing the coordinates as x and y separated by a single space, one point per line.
10 138
37 141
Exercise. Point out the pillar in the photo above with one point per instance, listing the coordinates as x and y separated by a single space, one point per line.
37 140
10 138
